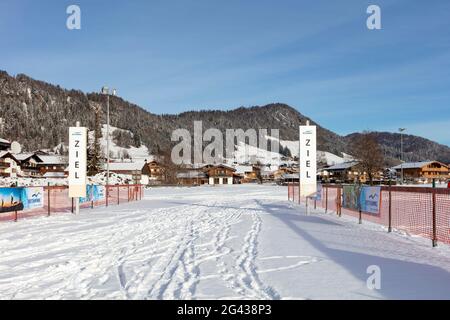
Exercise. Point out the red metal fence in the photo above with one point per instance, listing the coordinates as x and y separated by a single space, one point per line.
56 200
415 210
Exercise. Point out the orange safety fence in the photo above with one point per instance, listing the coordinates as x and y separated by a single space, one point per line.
419 211
56 200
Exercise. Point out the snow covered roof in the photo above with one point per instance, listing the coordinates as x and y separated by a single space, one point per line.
413 165
342 166
125 166
6 153
53 160
220 165
26 156
4 141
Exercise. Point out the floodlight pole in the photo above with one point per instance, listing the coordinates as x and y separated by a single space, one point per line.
105 91
401 151
107 140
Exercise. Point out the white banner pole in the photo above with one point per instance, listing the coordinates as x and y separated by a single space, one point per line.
77 163
308 160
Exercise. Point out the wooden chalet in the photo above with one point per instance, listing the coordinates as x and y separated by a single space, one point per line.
52 166
221 174
424 171
8 164
192 177
155 171
28 163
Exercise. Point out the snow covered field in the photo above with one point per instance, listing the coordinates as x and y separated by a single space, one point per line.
228 242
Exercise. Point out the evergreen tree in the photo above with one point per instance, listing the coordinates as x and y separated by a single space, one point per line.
94 154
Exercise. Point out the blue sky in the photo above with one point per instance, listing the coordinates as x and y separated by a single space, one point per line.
317 56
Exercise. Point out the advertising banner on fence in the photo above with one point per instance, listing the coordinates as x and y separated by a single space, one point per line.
350 199
33 197
11 199
370 199
98 193
94 193
18 199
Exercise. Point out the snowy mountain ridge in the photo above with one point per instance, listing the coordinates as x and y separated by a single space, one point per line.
37 114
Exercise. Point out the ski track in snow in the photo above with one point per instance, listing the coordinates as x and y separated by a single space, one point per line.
154 254
175 244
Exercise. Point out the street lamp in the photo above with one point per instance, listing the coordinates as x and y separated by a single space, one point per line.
105 91
401 130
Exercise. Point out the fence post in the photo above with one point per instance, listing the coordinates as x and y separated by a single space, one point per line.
128 186
434 241
326 198
48 200
72 204
107 195
359 202
390 207
338 201
15 216
118 194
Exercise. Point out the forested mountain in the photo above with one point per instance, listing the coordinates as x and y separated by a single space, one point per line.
414 148
37 114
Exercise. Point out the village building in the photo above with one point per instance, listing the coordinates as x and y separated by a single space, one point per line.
281 172
424 171
155 171
267 176
8 165
134 169
4 145
126 168
249 174
28 164
289 178
346 172
192 177
221 174
52 166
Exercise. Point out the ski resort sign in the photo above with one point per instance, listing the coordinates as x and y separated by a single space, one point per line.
308 161
77 161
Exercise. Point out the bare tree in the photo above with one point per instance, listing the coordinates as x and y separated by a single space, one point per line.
169 169
368 153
